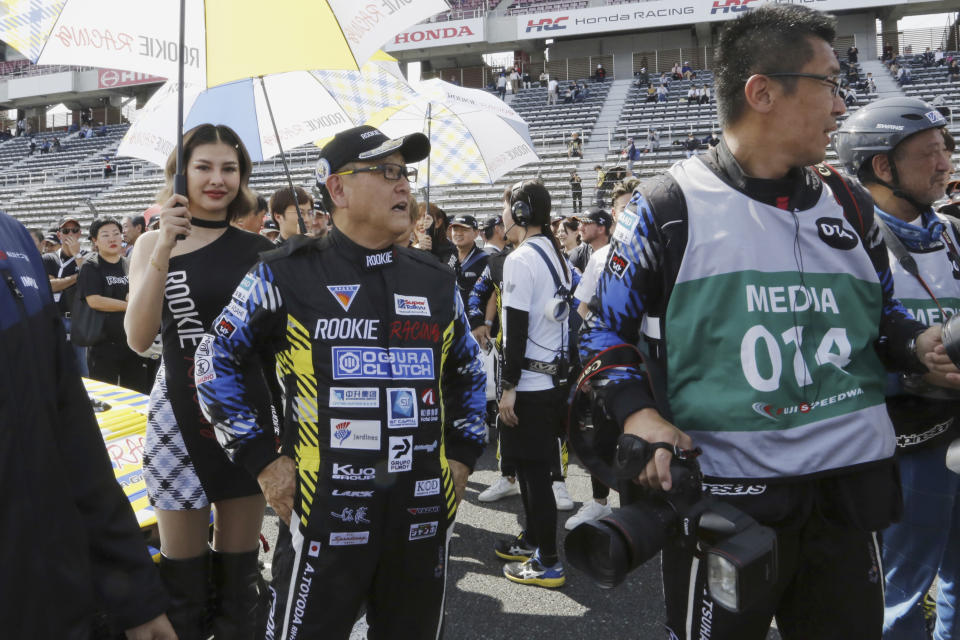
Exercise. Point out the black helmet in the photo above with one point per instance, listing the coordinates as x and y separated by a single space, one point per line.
880 126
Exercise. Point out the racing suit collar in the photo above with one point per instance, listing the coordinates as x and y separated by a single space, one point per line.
799 189
367 259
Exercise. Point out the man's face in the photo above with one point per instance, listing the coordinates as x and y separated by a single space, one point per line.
70 236
462 237
809 114
620 203
589 231
319 227
130 232
289 225
923 166
377 206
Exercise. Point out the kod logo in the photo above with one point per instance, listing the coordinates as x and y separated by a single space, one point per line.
735 6
833 233
547 24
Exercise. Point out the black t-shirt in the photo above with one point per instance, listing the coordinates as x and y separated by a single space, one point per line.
575 185
101 278
59 266
580 256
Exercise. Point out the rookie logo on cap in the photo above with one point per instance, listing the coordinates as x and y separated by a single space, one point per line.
323 170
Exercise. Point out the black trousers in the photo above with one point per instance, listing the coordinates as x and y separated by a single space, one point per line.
577 199
830 587
116 363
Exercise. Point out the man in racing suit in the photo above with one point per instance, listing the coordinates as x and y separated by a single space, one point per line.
383 402
764 289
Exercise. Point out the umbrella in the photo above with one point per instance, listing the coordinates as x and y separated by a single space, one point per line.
474 137
305 105
207 42
224 40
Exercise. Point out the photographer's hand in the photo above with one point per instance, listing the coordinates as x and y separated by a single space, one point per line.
649 425
507 400
933 355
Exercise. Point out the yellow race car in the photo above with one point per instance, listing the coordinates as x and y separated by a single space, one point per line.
122 415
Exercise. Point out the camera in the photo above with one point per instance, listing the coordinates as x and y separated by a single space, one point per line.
951 339
741 555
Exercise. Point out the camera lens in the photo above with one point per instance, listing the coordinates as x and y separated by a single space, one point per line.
951 339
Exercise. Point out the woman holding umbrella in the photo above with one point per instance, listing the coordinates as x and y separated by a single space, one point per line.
181 278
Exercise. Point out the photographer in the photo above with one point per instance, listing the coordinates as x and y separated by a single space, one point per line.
776 289
535 360
906 172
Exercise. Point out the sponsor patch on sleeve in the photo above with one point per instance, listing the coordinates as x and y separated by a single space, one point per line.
617 264
626 225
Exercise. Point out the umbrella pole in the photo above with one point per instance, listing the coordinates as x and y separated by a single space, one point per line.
429 126
180 179
286 169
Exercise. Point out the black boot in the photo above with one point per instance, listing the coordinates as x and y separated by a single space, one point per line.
187 581
235 595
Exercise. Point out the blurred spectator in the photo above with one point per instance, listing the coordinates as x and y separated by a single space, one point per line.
32 148
887 54
494 235
676 73
51 242
453 81
691 145
102 131
132 227
432 235
651 93
703 95
552 88
601 73
514 81
903 76
252 221
62 267
871 83
687 71
631 153
526 80
103 285
575 147
953 71
107 169
643 77
576 191
568 233
852 54
502 86
270 230
86 116
692 97
544 78
471 259
662 93
20 127
37 236
284 210
321 220
56 145
938 56
653 141
45 147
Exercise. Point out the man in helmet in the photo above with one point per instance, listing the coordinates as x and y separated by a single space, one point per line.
899 149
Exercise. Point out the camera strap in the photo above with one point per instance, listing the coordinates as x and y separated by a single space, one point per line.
906 260
560 290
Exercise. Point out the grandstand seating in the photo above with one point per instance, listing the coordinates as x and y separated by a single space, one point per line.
40 188
930 82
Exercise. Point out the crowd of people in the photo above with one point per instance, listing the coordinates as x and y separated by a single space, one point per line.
353 351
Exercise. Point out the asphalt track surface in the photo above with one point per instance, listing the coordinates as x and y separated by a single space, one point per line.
483 605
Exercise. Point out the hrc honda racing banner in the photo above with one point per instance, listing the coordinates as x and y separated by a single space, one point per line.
661 13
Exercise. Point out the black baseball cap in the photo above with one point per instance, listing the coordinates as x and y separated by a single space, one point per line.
52 237
464 220
269 225
597 216
495 221
367 143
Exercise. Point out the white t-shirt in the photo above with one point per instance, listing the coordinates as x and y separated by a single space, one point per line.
502 81
591 275
528 286
552 86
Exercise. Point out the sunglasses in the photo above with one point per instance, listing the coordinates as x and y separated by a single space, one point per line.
70 230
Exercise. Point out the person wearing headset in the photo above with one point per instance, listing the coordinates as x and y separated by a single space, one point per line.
535 308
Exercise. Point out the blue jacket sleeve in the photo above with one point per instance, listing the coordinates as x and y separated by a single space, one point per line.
479 295
623 297
463 391
227 363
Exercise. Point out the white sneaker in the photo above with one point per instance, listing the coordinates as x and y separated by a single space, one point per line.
502 488
562 496
592 510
